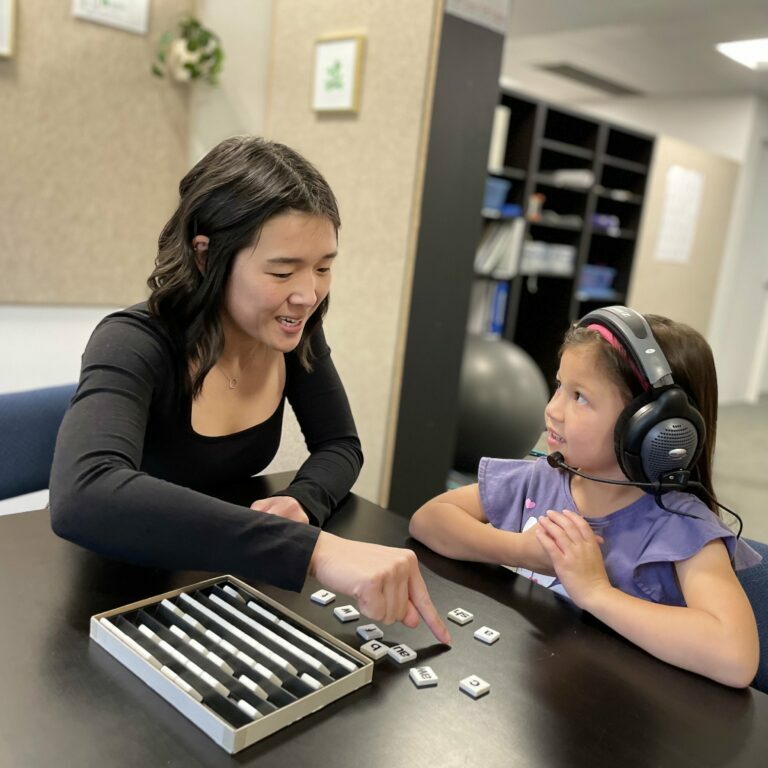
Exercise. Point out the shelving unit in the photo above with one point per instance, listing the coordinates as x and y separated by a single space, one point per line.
542 142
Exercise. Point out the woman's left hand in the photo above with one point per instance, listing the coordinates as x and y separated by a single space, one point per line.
282 506
575 552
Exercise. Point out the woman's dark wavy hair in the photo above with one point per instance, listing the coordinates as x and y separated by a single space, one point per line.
228 196
693 369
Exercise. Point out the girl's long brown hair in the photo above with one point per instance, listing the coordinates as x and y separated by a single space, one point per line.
693 369
228 196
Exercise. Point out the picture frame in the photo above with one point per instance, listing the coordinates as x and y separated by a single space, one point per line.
128 15
338 73
7 28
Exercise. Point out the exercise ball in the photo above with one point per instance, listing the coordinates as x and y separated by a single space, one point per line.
502 396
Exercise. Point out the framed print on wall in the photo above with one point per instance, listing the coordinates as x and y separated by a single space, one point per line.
338 73
130 15
6 27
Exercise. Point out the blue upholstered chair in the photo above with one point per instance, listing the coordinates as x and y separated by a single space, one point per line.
29 422
755 583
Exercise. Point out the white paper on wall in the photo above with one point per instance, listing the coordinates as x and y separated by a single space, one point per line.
680 212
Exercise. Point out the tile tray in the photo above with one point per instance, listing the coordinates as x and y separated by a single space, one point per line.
231 738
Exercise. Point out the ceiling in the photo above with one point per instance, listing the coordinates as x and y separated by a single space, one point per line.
658 48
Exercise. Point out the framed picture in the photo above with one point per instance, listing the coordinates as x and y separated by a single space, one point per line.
7 24
129 15
338 72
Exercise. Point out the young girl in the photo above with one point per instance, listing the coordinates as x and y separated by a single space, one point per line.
663 580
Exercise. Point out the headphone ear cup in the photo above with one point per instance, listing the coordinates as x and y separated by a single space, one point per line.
623 434
661 432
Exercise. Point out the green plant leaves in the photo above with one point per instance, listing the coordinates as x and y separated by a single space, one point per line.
191 53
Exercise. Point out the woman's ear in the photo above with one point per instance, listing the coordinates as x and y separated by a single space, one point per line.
200 247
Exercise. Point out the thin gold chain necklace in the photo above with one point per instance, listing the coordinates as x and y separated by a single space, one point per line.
233 381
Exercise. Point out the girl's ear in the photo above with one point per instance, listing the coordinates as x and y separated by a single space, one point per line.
200 247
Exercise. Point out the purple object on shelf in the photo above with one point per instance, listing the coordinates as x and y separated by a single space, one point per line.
605 221
596 276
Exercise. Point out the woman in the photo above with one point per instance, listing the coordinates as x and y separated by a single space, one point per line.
180 400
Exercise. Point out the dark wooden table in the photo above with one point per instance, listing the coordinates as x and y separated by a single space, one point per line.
564 690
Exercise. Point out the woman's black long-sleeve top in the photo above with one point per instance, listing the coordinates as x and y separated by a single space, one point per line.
131 479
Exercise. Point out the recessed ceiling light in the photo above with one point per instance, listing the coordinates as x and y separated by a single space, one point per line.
750 53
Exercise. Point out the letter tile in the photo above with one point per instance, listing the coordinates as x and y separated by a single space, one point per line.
402 653
423 676
322 596
460 616
374 649
346 613
475 686
370 632
487 635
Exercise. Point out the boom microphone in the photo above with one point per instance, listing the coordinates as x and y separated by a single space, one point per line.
673 481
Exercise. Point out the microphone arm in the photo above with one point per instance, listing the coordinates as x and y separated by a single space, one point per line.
675 481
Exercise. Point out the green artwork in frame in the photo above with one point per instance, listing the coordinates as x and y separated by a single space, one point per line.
338 73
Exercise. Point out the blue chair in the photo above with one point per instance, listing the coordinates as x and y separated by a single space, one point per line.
29 423
755 583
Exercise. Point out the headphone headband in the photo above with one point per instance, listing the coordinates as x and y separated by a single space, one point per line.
638 340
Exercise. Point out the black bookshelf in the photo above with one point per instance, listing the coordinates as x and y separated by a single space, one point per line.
543 140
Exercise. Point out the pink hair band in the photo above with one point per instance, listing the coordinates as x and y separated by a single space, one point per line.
614 342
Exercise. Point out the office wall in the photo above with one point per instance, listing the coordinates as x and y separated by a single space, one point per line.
374 162
735 127
737 334
237 105
92 149
718 124
684 291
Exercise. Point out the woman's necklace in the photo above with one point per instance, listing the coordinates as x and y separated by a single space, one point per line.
233 381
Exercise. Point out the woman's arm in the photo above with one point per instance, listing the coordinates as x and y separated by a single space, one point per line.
385 581
100 499
322 410
455 525
715 635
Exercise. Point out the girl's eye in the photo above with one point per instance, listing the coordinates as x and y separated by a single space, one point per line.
579 397
323 270
281 275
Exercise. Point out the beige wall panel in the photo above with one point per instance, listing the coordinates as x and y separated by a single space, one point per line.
684 291
92 150
373 161
238 104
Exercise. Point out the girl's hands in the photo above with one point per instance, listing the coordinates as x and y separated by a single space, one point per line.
532 553
575 552
282 506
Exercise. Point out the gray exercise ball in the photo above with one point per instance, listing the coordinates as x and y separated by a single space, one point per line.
502 397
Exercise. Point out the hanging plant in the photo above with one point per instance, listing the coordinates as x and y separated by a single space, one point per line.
191 53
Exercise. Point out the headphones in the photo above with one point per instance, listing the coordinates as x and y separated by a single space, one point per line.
660 434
